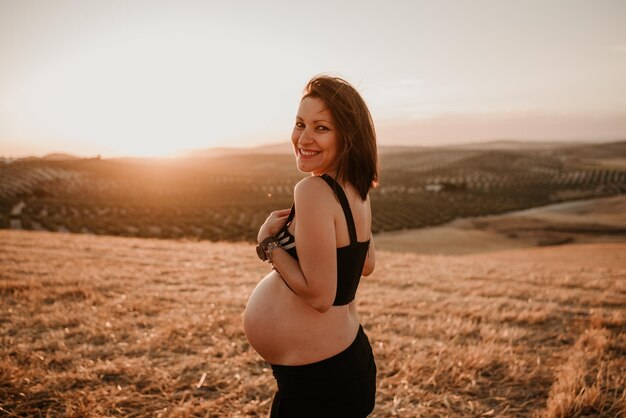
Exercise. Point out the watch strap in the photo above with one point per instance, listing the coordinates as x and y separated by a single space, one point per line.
271 246
266 246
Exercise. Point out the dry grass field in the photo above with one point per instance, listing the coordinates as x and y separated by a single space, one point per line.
111 326
578 221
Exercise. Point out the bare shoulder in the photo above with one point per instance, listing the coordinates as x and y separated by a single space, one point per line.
310 189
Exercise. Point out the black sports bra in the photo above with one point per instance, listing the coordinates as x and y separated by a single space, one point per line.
350 259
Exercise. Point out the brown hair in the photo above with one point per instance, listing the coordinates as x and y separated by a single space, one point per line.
358 154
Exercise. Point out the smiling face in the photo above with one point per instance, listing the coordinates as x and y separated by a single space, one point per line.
315 138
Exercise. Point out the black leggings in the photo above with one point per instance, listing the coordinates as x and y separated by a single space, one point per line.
343 385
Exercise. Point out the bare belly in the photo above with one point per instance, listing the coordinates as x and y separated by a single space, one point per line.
284 329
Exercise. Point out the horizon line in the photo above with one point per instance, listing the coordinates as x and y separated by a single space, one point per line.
186 153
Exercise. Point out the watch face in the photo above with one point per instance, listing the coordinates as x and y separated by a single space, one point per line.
260 252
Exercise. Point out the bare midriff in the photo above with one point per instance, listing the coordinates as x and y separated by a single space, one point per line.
285 330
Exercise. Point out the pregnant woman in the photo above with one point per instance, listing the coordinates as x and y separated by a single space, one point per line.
301 318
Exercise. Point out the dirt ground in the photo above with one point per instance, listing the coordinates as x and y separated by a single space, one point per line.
108 326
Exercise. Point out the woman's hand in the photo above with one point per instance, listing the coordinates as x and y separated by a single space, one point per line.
273 224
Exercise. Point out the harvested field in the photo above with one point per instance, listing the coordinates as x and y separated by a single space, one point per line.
111 326
580 221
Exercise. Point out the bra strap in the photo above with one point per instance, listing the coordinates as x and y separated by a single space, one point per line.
341 195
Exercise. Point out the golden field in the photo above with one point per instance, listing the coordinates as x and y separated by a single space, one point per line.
581 221
112 326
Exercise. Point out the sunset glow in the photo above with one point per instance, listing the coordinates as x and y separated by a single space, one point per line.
145 78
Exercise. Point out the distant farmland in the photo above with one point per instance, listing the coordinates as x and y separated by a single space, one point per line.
228 197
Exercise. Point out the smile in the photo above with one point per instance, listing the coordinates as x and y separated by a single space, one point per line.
307 153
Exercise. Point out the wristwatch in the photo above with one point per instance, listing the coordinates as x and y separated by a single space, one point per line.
265 248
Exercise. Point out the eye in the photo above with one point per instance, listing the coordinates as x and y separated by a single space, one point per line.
322 128
299 125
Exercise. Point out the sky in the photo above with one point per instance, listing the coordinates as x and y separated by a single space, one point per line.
152 78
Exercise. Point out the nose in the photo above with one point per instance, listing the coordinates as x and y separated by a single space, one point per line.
305 137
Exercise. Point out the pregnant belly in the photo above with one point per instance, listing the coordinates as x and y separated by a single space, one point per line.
284 329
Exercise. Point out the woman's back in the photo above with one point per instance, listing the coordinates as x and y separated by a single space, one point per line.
351 256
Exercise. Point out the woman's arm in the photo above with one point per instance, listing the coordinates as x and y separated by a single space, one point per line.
314 276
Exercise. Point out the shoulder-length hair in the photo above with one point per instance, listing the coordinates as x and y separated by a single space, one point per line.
358 154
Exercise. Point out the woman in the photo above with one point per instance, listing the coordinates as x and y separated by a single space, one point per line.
302 318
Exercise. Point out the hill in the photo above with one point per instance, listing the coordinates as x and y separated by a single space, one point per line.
112 326
578 221
227 197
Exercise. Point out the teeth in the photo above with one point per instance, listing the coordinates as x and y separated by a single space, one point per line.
308 153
